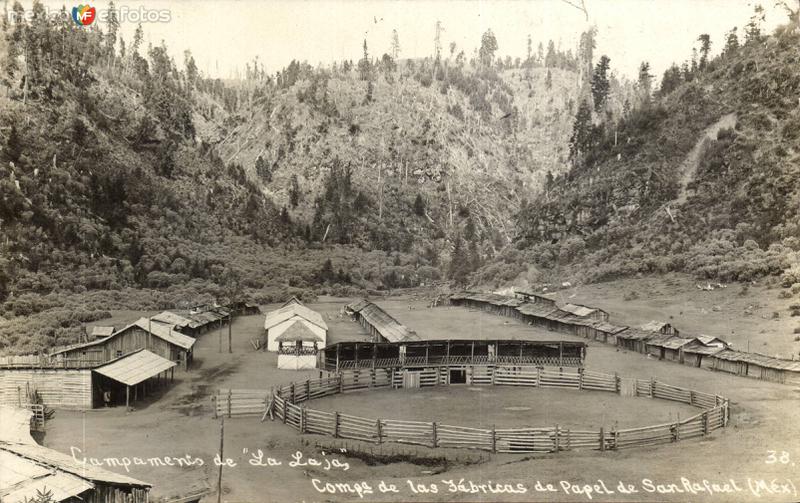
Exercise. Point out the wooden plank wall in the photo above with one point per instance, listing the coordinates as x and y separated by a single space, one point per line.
58 388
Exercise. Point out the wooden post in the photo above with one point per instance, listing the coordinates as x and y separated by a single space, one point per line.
538 377
691 397
285 404
580 378
127 398
214 404
230 392
308 389
617 383
303 420
221 447
494 371
379 430
652 387
494 439
705 423
292 391
561 354
556 440
615 436
602 439
337 357
434 435
336 424
341 382
230 325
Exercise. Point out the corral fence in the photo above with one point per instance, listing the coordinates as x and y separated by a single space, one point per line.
287 403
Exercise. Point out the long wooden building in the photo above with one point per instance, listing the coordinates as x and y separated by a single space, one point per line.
380 324
82 385
657 339
145 333
453 353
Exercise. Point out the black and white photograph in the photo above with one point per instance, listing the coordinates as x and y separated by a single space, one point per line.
395 251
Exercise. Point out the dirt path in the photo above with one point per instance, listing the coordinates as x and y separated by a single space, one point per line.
688 167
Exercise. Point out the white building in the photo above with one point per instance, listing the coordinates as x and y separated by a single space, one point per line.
279 321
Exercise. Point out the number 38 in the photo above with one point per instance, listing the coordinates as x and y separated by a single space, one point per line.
773 457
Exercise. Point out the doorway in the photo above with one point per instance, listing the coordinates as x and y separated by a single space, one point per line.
458 376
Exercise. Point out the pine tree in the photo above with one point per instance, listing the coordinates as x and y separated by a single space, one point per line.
294 192
488 48
458 262
645 82
582 134
364 65
600 84
419 206
731 43
705 49
14 145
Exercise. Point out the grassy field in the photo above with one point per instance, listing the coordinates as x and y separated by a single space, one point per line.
179 422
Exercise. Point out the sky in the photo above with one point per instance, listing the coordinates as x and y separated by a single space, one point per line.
224 35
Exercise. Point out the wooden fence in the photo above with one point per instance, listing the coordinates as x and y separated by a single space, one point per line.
287 404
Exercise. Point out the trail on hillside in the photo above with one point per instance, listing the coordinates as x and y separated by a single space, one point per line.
688 167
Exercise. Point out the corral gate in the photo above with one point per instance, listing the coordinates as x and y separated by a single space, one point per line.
627 386
411 379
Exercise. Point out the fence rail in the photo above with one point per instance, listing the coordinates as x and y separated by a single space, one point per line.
287 404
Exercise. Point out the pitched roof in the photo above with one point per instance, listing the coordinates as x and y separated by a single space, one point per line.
709 340
172 319
102 331
578 309
135 367
291 310
636 334
654 326
358 305
298 332
388 327
166 333
65 463
21 479
293 300
759 359
160 330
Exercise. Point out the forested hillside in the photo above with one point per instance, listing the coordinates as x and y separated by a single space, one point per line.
702 175
130 180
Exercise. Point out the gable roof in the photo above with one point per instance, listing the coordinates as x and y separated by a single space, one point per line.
709 340
166 333
388 327
291 310
298 332
293 300
655 326
578 309
102 331
160 330
172 319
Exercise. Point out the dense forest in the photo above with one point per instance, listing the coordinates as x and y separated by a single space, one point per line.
130 180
